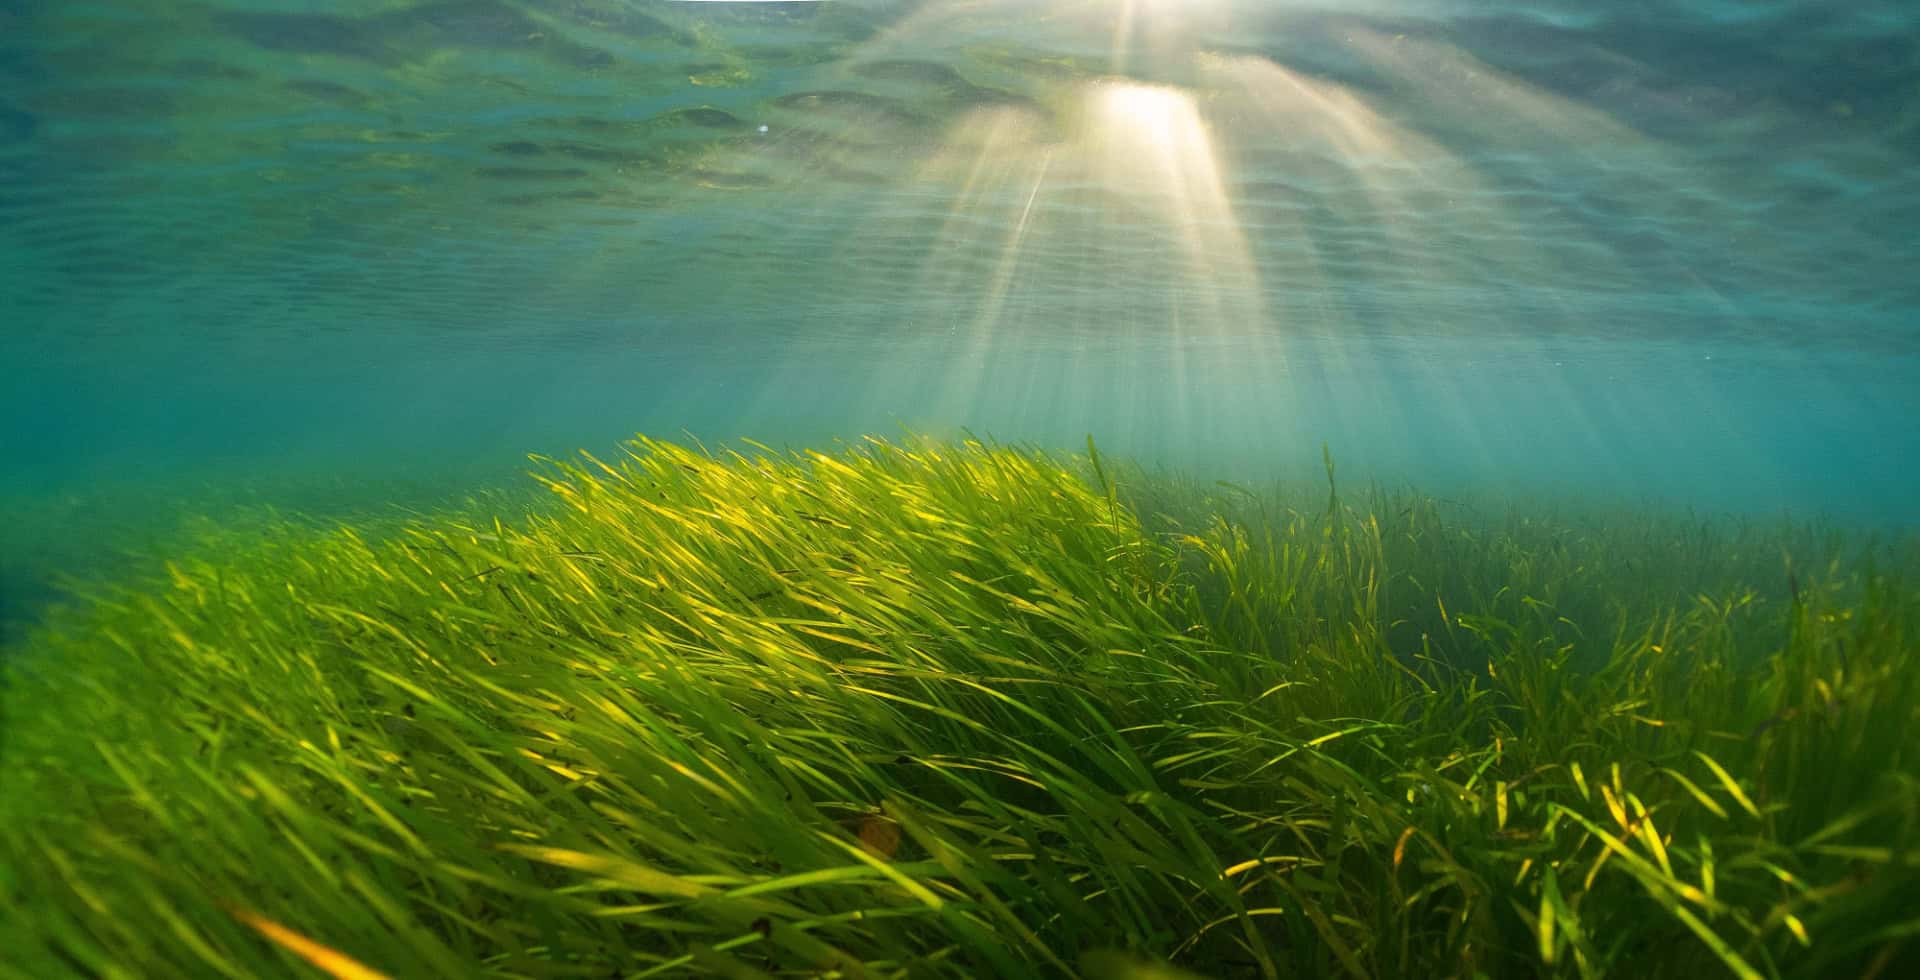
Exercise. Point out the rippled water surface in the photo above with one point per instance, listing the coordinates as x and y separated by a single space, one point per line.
1659 248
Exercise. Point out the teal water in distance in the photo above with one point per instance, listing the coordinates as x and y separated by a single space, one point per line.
374 251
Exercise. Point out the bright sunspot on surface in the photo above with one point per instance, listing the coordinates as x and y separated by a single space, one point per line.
1154 109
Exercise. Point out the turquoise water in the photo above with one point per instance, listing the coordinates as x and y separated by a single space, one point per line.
327 254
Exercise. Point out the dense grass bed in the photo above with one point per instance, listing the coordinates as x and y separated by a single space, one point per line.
959 710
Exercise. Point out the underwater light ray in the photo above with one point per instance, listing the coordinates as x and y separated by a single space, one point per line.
992 170
1543 240
1145 158
1003 167
1153 145
961 382
984 329
1158 38
1393 174
1553 239
1326 145
1123 34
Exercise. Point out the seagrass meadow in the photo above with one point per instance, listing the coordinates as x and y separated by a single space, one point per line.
929 708
1130 489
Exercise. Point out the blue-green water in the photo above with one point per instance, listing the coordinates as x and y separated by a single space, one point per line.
1650 251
